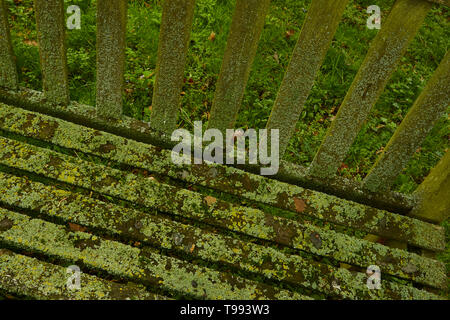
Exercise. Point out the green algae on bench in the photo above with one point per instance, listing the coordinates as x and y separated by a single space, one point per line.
138 265
234 181
31 278
185 203
141 131
167 237
170 235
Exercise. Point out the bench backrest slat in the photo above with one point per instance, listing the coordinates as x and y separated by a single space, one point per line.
52 49
381 60
426 111
173 45
246 28
433 193
111 43
317 32
305 230
8 71
319 27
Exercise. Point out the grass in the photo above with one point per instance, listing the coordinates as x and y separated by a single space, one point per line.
283 25
281 31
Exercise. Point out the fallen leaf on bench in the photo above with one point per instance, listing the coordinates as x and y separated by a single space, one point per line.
210 200
76 227
299 205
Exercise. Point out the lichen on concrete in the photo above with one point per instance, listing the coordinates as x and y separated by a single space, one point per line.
170 235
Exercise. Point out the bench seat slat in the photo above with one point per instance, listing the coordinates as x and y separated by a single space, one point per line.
113 219
188 204
253 187
141 265
29 277
131 128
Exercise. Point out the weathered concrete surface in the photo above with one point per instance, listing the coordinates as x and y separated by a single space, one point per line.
29 277
138 265
248 186
253 222
162 232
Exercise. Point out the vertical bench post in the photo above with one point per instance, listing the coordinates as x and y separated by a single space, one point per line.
8 71
111 43
246 28
52 49
172 50
381 60
426 111
317 32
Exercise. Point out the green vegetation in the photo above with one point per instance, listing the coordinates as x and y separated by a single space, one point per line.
212 21
283 23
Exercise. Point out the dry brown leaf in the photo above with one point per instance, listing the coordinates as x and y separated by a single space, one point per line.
289 33
300 205
210 200
76 227
32 43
